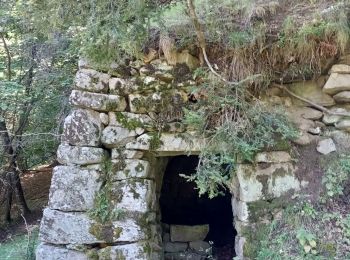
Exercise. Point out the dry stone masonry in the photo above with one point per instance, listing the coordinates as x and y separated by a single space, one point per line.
125 124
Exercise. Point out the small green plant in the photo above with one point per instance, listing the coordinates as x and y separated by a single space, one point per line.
334 177
104 210
307 240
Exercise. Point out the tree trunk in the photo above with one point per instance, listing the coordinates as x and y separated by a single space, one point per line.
12 174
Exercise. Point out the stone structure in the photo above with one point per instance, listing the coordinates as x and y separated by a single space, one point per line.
125 124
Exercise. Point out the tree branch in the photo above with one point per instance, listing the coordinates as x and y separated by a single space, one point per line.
319 107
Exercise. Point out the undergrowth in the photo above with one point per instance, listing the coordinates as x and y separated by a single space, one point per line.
235 126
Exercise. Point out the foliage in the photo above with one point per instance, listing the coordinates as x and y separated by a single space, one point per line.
335 175
300 236
235 128
21 246
104 210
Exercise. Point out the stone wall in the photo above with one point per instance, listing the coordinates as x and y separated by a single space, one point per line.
125 122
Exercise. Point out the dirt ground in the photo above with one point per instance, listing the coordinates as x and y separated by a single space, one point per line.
36 185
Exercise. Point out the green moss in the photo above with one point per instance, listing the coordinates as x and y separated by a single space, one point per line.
139 167
155 141
92 254
103 232
254 235
105 253
129 123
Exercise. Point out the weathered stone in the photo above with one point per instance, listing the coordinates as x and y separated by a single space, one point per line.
239 246
135 251
340 68
304 138
95 101
135 195
104 118
66 228
273 157
337 83
131 168
240 209
260 182
82 128
174 127
167 144
91 80
304 112
180 233
173 247
341 140
115 136
77 228
200 246
330 119
50 252
309 90
126 154
342 97
141 104
73 188
136 122
123 87
326 146
67 154
343 125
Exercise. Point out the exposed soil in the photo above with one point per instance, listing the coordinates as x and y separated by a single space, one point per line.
36 185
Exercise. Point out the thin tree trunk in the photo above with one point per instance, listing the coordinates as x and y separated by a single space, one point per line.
8 56
8 197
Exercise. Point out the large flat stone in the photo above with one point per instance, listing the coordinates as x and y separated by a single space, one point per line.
173 247
181 233
71 155
135 195
343 125
330 119
167 144
311 91
92 80
98 102
82 128
126 154
326 146
340 68
260 182
336 83
77 228
73 188
123 87
51 252
131 168
66 228
134 251
115 136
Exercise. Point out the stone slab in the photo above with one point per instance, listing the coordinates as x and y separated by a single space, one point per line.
135 195
181 233
50 252
169 144
82 128
115 136
73 188
264 182
92 80
337 83
71 155
131 168
98 102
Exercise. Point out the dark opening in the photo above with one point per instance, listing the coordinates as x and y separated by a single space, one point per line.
181 205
